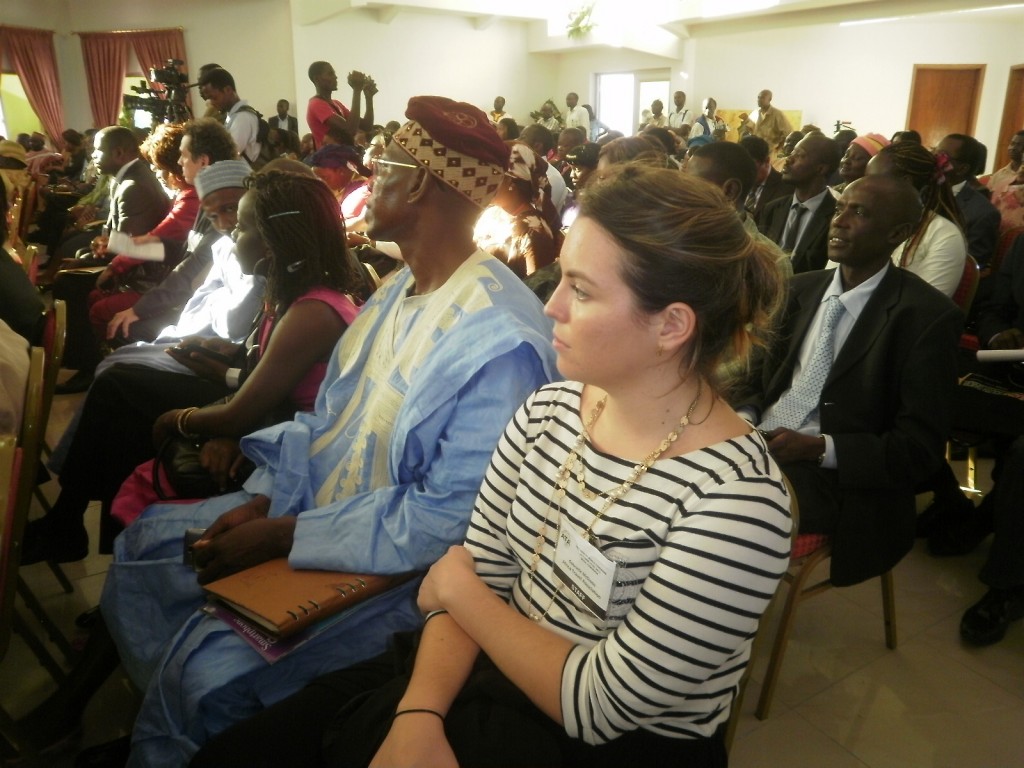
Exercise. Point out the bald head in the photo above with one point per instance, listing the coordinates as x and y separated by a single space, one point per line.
812 161
872 217
896 195
823 150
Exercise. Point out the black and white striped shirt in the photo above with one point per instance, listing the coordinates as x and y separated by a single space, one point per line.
700 542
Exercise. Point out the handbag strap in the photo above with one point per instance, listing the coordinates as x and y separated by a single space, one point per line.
157 466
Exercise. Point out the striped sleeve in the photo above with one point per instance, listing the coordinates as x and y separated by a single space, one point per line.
673 663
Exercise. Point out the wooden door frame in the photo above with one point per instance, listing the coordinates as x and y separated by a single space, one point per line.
1008 126
980 68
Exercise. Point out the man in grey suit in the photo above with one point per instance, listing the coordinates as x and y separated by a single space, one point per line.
799 223
854 395
137 204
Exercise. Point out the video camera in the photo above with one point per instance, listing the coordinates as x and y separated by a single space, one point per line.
166 102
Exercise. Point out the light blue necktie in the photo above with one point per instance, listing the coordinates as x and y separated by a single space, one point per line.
793 408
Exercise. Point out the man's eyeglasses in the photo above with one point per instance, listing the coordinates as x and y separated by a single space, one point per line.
379 161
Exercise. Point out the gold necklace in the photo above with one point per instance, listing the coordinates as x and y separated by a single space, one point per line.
612 496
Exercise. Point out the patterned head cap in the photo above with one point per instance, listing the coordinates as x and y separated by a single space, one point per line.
871 143
456 142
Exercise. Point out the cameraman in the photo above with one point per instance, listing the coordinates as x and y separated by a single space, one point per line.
218 87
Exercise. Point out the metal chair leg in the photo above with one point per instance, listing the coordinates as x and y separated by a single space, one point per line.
62 578
889 609
796 594
54 634
36 646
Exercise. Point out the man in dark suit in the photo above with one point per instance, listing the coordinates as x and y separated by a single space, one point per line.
856 410
137 204
799 224
283 119
768 184
981 218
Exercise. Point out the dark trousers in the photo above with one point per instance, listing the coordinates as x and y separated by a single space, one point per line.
1005 565
340 720
115 433
817 494
81 349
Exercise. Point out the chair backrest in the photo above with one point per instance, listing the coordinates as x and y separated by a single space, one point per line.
20 480
963 296
30 261
10 467
30 439
29 203
54 334
1003 245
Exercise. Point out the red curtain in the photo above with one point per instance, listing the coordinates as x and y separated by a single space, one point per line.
154 47
106 62
34 59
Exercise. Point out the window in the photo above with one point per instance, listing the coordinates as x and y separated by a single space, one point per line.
16 115
622 97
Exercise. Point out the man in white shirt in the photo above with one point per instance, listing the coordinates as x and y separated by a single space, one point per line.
679 116
242 121
576 116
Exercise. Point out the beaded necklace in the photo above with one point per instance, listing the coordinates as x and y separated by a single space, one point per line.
565 472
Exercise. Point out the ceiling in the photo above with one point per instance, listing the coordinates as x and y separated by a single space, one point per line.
682 18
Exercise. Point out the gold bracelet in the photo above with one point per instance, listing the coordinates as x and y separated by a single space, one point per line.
182 423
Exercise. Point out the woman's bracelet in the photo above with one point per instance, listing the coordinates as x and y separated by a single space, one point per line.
182 423
432 614
401 712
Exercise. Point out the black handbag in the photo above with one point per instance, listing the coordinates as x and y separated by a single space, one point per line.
187 477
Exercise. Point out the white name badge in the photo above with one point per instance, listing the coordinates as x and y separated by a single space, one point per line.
581 567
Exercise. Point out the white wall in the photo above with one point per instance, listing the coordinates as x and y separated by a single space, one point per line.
861 73
577 70
421 53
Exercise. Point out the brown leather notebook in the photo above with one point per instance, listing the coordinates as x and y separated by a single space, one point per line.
283 601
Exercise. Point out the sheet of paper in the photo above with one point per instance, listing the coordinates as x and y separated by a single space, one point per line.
123 244
1000 355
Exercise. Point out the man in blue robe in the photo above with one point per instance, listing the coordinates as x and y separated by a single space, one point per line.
381 478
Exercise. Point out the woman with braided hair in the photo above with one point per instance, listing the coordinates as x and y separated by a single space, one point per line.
937 248
287 230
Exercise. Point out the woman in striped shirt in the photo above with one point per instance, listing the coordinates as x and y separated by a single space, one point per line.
628 535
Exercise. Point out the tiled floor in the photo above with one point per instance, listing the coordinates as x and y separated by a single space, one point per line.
843 699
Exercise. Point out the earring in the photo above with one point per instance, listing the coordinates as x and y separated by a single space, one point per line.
661 351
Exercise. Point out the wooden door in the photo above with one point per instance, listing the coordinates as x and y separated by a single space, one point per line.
944 100
1013 114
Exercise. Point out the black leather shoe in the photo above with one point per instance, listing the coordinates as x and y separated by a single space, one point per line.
942 513
45 541
80 382
960 533
986 621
